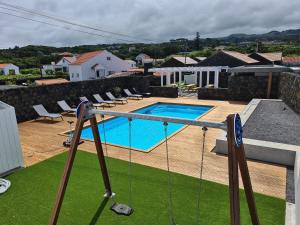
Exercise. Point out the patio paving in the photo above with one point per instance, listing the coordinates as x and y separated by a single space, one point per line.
41 140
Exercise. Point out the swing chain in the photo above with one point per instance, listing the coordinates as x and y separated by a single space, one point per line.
204 130
130 160
171 214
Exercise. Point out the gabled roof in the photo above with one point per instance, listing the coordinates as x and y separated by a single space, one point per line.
3 65
129 61
143 55
185 60
273 56
86 57
70 59
240 56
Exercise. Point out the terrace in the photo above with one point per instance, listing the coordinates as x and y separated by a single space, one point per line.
42 140
44 155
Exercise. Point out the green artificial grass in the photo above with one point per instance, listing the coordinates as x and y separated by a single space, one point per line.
30 199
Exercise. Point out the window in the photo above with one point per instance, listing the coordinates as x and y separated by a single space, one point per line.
108 58
72 75
77 75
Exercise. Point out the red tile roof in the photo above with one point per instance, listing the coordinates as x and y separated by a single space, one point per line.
85 57
293 59
2 66
51 81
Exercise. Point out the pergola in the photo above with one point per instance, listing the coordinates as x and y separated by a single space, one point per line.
198 72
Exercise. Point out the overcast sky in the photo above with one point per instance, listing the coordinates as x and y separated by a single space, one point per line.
157 20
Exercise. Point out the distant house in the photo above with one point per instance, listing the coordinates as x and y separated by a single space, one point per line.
228 58
65 62
141 57
96 65
273 58
291 61
9 69
179 61
131 63
66 54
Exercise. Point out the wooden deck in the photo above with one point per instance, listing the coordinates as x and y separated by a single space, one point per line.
41 140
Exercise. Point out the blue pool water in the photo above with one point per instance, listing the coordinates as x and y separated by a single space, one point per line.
145 133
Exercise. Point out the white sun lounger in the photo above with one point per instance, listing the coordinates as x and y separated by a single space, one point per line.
99 99
85 99
113 98
65 107
130 95
147 94
42 112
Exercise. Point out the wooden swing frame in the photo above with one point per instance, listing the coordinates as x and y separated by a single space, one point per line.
236 161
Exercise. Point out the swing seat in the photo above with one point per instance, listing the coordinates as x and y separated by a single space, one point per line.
121 209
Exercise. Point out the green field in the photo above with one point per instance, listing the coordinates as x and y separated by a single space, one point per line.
30 199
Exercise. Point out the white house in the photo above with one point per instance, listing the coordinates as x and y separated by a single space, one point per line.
65 62
131 63
141 58
96 65
9 69
61 65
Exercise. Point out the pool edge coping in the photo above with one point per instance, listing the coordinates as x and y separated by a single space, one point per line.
156 145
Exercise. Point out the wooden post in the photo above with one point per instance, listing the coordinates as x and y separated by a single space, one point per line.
233 174
247 184
269 85
71 156
68 167
237 159
100 155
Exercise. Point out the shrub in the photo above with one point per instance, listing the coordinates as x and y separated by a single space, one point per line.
117 91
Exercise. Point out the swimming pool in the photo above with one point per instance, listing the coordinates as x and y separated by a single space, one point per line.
145 134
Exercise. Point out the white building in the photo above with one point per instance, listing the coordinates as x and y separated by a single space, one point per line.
9 69
141 58
131 63
96 65
61 65
200 76
65 62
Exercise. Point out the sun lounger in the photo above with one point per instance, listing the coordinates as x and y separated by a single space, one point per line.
65 107
85 99
42 112
147 94
99 99
130 95
114 99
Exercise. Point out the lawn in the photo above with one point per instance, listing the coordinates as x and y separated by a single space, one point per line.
30 199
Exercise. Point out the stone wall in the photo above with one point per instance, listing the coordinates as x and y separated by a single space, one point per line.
289 90
24 98
247 87
213 94
243 88
170 92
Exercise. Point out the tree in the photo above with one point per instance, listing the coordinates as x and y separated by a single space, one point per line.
197 41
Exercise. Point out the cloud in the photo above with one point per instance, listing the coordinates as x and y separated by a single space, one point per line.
158 20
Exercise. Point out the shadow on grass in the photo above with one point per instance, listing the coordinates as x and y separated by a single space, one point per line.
99 212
